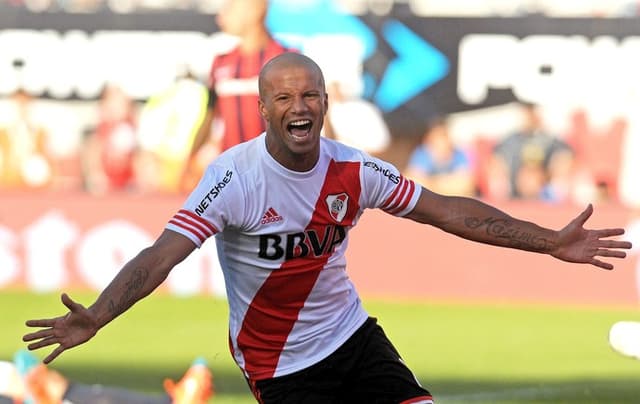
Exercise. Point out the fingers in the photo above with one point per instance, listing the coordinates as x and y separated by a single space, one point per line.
610 253
47 322
601 264
43 338
615 244
43 343
585 215
612 244
38 335
603 252
60 349
70 304
609 232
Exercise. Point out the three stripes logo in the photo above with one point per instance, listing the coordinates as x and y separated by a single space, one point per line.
270 216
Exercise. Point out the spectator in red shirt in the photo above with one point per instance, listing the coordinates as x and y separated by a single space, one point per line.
109 163
233 79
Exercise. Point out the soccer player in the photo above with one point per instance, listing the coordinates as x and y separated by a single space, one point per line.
280 207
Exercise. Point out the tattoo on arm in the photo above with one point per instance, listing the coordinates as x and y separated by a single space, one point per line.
513 236
133 286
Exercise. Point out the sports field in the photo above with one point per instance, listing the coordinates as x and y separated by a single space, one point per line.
463 353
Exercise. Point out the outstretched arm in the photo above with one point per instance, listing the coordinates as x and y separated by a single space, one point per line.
475 220
139 277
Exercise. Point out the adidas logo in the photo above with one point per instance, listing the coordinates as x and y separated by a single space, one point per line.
270 216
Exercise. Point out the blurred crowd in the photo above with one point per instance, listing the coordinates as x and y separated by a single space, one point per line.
126 145
118 144
142 147
425 8
530 162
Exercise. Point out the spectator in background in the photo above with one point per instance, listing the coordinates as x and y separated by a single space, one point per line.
438 164
599 150
233 80
110 149
532 180
355 122
24 158
531 162
167 128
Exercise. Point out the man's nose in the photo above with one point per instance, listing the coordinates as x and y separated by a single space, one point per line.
299 104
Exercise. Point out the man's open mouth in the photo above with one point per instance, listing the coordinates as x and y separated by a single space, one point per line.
299 128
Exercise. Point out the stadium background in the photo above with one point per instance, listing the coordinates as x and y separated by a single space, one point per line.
472 60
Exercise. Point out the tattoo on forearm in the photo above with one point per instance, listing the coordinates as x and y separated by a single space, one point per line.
133 286
513 236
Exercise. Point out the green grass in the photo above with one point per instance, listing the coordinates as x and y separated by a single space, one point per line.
461 352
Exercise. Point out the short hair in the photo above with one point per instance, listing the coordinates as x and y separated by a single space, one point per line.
288 59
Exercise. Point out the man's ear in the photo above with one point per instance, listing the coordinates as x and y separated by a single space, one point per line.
262 109
326 103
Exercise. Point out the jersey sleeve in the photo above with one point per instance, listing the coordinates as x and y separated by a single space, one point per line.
206 211
385 188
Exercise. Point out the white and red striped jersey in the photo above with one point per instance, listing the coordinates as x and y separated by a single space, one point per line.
281 237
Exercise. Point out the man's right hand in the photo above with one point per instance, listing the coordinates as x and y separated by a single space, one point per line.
74 328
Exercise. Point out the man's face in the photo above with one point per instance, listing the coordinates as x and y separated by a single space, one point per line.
293 103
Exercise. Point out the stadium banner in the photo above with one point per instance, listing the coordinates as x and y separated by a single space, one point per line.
53 241
410 66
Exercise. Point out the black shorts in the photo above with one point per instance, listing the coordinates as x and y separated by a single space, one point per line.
365 369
